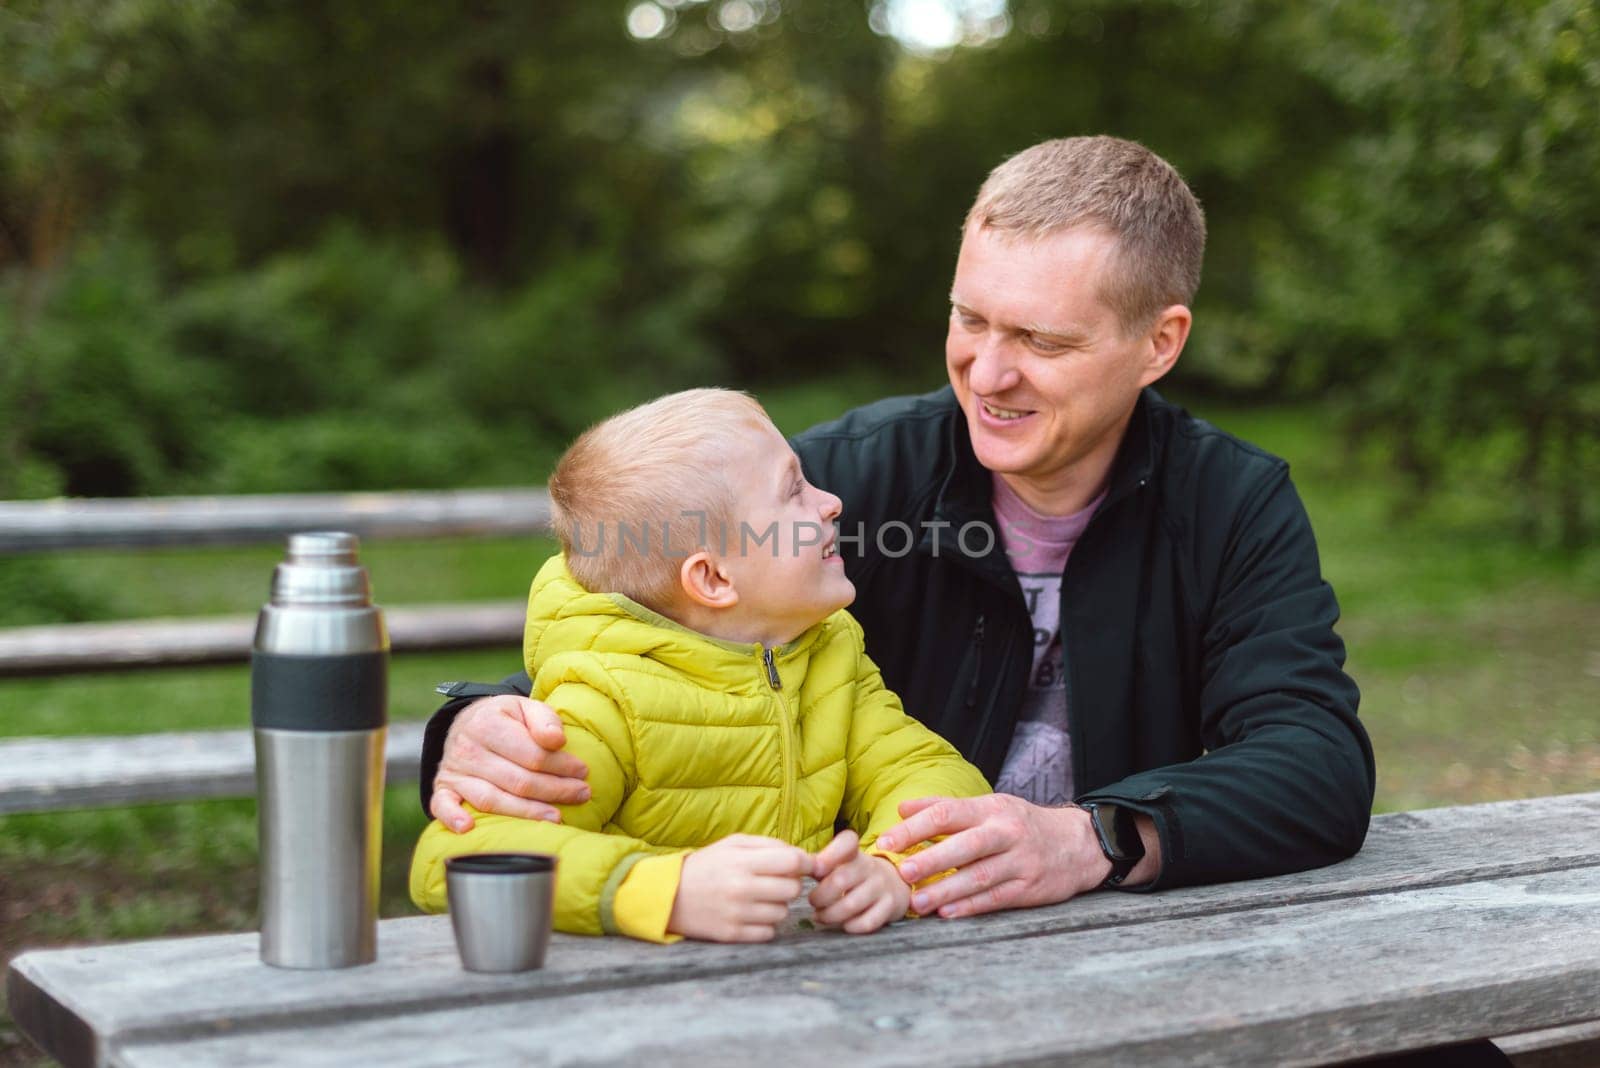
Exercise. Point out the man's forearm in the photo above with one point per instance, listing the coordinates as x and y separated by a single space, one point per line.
460 694
433 736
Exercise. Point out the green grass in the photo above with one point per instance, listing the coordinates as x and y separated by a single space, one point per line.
1478 658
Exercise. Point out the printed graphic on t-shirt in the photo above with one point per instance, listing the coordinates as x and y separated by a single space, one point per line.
1038 766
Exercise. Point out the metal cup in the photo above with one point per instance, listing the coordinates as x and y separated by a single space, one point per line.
501 907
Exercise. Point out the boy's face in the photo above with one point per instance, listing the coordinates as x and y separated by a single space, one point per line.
782 548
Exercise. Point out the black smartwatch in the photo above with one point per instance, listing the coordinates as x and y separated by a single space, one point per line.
1119 838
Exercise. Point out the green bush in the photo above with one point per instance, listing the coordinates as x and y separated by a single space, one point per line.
353 364
99 399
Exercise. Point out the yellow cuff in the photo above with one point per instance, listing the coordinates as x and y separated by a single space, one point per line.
643 904
896 858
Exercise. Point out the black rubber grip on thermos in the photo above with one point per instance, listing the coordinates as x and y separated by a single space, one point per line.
347 692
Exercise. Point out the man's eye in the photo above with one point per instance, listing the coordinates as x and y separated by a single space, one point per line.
971 322
1046 344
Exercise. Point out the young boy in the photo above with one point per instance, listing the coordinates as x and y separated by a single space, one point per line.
693 637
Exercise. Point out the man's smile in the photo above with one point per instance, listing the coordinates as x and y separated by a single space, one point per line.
999 414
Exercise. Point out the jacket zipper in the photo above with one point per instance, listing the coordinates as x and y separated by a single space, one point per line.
786 797
1078 745
977 664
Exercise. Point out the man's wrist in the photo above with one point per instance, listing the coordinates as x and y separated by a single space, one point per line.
1148 845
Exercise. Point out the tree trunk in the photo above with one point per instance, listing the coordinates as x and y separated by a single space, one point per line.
1530 472
483 179
1572 483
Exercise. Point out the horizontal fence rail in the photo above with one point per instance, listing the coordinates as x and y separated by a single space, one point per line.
52 774
151 522
80 648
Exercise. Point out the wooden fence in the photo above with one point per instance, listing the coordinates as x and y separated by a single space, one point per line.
43 526
54 773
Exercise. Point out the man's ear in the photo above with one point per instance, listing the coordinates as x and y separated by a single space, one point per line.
706 582
1166 337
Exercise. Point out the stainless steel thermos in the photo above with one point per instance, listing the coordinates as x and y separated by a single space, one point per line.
318 703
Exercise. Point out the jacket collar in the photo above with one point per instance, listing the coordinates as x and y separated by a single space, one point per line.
562 616
966 495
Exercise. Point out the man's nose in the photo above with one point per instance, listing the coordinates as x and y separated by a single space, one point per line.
993 365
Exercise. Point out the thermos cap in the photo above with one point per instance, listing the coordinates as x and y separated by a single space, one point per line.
321 602
320 660
321 570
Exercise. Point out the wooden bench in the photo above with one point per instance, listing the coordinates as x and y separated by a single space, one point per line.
1451 924
44 774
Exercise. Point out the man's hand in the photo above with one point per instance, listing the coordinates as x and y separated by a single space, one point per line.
504 755
738 889
1008 853
855 891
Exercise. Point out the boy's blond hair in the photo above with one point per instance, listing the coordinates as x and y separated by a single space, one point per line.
635 486
1117 186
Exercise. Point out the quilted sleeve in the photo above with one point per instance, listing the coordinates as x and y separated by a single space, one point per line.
891 757
594 858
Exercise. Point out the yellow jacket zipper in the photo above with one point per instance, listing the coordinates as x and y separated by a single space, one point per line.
786 797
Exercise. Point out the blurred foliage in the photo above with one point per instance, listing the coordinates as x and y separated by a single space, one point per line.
1447 296
280 246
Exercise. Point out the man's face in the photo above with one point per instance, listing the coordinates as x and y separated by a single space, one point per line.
1039 362
795 577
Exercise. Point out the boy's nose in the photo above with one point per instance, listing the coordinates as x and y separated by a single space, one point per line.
831 506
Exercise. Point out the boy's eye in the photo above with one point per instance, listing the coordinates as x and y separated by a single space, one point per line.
795 492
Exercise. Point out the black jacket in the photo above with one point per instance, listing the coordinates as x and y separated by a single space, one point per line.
1205 682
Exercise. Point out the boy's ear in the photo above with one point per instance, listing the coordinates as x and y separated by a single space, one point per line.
706 582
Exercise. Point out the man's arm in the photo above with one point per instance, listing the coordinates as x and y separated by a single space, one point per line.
492 747
1286 783
1287 780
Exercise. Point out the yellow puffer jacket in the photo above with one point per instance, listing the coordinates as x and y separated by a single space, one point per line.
690 739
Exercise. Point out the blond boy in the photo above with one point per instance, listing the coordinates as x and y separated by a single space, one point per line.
693 637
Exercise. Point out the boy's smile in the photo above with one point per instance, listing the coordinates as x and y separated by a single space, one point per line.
784 557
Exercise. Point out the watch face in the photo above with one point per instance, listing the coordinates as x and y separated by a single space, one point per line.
1125 835
1119 834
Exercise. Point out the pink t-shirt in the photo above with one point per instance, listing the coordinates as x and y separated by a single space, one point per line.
1038 766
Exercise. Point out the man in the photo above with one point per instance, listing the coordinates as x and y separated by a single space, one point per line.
1113 609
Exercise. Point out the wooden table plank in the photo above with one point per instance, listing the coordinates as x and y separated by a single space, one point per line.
182 985
1293 984
51 774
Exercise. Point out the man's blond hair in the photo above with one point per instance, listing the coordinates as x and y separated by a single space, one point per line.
1114 185
627 498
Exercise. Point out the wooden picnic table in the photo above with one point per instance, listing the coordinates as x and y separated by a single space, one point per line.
1455 923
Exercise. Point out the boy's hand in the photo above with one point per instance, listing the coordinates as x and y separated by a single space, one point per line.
738 889
855 891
